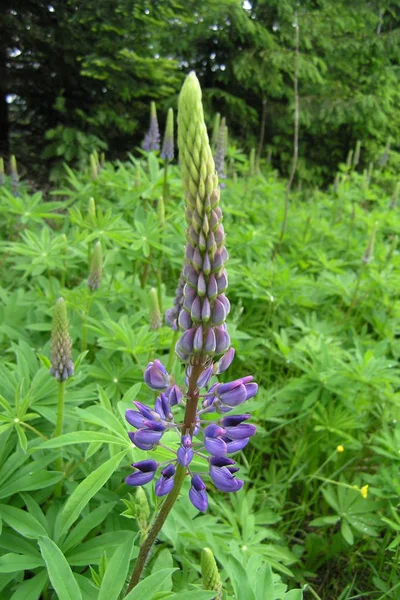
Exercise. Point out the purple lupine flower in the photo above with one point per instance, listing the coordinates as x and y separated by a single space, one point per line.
222 474
166 482
145 471
185 453
152 138
198 494
200 311
175 395
156 376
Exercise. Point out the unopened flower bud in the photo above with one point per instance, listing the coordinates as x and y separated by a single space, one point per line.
62 366
155 314
209 572
156 376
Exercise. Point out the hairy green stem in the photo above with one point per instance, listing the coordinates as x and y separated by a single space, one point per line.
188 425
58 430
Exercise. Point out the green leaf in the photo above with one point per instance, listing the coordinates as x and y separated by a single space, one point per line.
322 521
31 589
294 595
36 481
19 562
60 573
193 595
85 491
81 437
117 570
22 521
150 585
86 525
346 532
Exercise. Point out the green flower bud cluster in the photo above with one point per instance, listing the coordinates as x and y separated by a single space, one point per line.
62 366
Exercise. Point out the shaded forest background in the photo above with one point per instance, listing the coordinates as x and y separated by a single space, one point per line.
78 76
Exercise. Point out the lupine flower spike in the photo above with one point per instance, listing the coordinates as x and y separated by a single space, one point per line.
96 268
62 366
200 312
14 175
221 151
151 140
167 152
369 251
215 131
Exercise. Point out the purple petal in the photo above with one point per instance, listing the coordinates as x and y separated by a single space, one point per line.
213 430
145 410
205 377
198 340
185 456
164 486
168 471
184 320
225 362
238 432
251 390
146 465
186 341
212 288
145 439
211 343
218 313
197 494
134 418
234 397
236 445
224 480
206 310
223 341
162 407
156 376
233 420
175 395
201 286
216 447
139 478
222 282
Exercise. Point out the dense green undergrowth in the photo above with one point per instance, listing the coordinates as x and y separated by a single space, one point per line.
318 328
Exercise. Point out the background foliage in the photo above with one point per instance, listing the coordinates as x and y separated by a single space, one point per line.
81 74
318 326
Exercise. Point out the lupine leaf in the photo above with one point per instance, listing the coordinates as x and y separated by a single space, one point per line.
60 573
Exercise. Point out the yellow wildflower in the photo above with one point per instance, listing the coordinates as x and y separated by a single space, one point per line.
340 448
364 491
